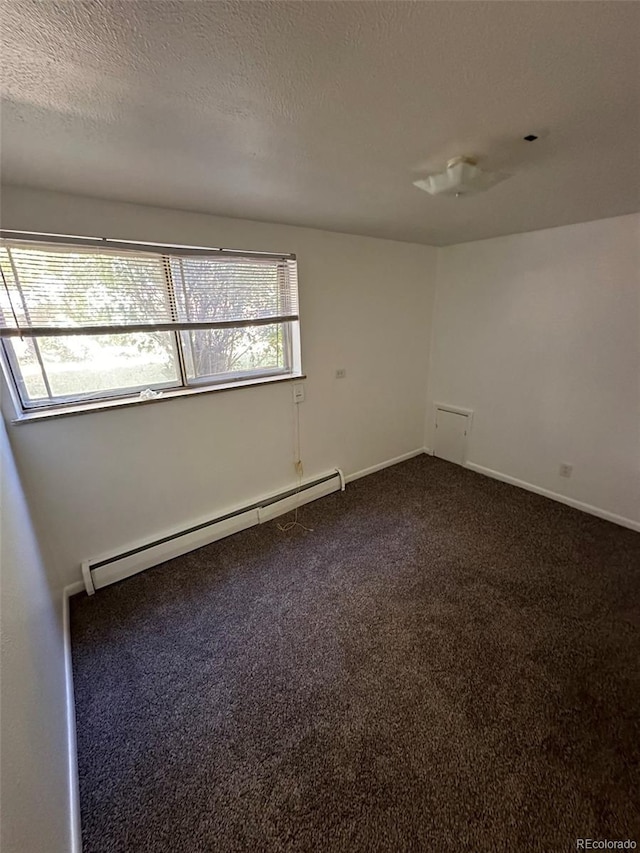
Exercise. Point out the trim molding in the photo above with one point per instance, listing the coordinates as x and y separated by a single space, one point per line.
348 478
555 496
75 830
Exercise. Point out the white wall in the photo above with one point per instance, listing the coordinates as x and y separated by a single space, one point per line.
34 792
100 481
539 334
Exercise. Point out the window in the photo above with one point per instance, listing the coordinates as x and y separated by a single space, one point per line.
85 319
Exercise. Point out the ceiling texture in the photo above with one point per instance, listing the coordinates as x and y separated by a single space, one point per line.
322 114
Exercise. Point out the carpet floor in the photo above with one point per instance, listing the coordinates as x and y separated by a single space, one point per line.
445 663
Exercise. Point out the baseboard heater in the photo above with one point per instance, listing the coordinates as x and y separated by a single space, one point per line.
102 571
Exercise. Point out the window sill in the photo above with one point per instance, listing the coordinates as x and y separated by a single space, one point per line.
128 402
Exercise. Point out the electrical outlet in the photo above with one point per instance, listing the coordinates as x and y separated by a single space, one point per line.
341 373
565 470
298 393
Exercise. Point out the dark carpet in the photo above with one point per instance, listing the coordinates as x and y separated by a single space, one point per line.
446 663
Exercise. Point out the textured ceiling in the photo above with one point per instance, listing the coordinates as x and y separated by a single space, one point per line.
322 113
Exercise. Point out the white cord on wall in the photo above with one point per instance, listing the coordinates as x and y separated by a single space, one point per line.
297 462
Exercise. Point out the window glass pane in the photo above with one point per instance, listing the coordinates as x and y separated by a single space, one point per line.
56 285
82 365
27 366
214 352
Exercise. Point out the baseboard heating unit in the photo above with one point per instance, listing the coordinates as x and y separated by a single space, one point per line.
105 570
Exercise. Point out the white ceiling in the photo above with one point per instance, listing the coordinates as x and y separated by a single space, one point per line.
323 113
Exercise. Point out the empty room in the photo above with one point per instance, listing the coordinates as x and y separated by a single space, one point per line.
320 374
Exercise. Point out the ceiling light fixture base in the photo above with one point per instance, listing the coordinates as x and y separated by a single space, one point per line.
461 177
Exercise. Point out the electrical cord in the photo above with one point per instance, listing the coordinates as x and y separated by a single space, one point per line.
290 525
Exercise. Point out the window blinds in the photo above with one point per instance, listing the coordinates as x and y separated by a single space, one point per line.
66 288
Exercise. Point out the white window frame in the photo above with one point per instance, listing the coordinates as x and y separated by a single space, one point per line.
185 385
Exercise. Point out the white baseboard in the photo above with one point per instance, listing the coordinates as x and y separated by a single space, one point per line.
349 478
555 496
72 750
